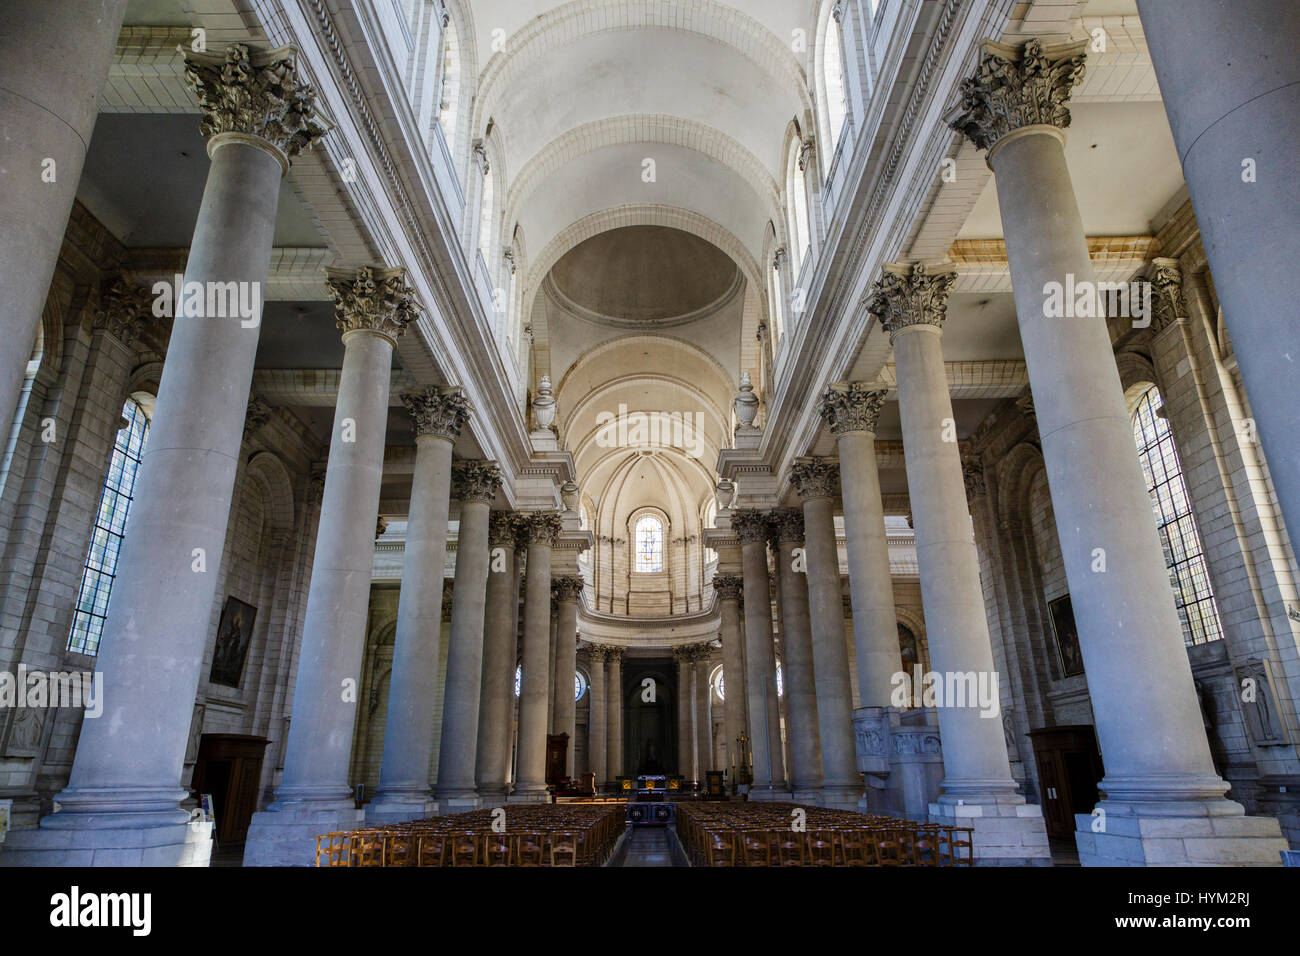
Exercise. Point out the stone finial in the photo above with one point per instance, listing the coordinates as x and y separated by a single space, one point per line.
373 299
123 310
910 295
569 495
475 480
815 478
1167 303
728 586
542 527
746 402
1017 87
972 473
544 403
438 410
724 494
750 524
258 414
852 407
255 93
567 588
501 529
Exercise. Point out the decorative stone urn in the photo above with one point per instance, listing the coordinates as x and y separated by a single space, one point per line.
569 495
544 404
746 402
725 494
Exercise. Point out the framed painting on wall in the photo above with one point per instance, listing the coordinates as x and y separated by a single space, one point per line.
233 635
1067 635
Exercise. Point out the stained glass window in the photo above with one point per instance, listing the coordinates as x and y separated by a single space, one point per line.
110 526
649 545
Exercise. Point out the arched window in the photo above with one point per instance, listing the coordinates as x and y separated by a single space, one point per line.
579 683
716 682
450 95
1177 526
833 81
649 538
110 526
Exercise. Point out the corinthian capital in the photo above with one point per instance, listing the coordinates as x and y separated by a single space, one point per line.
786 524
124 310
541 527
567 588
749 524
371 299
255 93
1168 304
728 586
815 478
852 407
911 295
1017 87
475 480
501 529
438 411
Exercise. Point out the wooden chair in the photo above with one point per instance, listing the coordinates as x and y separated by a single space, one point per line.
790 848
564 848
464 848
401 849
498 849
721 849
529 850
821 847
367 849
432 849
332 849
757 847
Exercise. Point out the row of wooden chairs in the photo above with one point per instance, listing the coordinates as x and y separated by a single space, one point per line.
531 836
732 836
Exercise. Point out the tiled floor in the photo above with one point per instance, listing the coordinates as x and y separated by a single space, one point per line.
648 846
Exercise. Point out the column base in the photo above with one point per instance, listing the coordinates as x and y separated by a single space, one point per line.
287 836
809 795
769 794
458 803
529 795
492 798
841 798
1008 831
395 808
1125 836
175 844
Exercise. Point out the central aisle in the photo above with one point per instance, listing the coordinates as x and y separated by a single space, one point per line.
648 846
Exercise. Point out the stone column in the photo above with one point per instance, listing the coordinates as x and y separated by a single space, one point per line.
126 774
614 714
438 415
760 659
598 729
550 666
685 731
816 480
374 307
1152 738
1230 81
476 484
852 411
977 786
530 784
568 590
496 699
701 721
802 734
728 588
54 59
